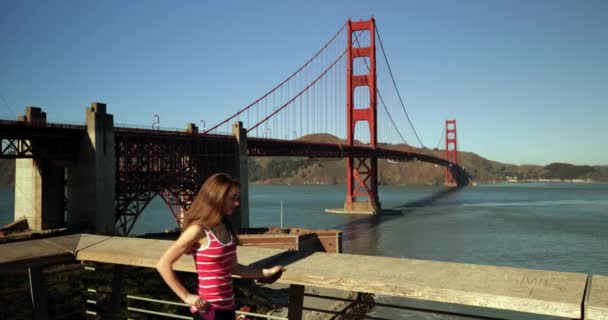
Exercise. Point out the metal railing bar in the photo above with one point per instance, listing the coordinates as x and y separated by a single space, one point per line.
62 269
258 315
181 304
65 315
386 305
156 313
340 313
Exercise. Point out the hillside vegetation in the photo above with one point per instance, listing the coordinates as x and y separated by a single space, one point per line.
291 170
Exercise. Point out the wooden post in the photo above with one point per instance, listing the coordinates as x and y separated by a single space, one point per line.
113 311
296 302
38 293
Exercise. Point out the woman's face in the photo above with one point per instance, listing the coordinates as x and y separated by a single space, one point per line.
232 200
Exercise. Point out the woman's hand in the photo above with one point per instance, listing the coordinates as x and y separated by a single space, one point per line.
196 302
272 271
272 274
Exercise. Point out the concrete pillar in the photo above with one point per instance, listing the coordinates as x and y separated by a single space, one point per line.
241 219
39 185
91 182
191 128
34 116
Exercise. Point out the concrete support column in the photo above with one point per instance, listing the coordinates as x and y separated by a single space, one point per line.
191 128
91 183
242 217
39 185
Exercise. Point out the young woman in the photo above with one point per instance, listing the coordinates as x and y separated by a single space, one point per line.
208 235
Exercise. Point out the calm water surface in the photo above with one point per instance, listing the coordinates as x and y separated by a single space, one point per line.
553 226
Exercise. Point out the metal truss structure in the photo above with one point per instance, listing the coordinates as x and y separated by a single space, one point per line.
39 141
173 166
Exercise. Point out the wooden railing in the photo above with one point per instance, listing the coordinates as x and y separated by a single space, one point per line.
547 293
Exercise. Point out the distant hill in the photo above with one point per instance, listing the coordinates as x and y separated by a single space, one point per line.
293 170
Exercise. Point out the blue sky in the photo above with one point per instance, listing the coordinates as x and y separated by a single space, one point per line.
527 81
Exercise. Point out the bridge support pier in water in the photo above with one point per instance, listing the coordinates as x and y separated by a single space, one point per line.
40 182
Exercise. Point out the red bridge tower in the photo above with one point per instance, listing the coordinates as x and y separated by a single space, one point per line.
362 173
451 150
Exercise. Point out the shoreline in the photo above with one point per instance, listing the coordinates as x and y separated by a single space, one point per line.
473 183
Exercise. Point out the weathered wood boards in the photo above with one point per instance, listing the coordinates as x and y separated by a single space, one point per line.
525 290
19 256
146 252
597 308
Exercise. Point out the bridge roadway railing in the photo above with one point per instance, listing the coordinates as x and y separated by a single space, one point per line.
487 288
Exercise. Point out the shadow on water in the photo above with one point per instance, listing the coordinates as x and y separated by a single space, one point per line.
424 202
361 231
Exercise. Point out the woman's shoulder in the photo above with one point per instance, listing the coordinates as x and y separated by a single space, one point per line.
194 236
194 231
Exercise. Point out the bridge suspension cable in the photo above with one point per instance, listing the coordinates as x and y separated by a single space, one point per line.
440 138
8 106
280 85
301 92
397 89
305 90
384 104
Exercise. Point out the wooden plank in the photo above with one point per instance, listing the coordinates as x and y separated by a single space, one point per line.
67 243
597 308
524 290
88 240
146 252
19 256
75 242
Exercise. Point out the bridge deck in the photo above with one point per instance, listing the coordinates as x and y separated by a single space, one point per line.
525 290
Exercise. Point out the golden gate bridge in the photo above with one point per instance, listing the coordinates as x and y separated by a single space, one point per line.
342 103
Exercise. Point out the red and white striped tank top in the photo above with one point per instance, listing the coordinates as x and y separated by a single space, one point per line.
214 264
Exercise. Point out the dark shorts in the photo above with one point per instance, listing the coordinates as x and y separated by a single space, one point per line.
213 314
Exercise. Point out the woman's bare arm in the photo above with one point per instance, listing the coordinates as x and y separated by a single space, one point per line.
182 245
255 272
